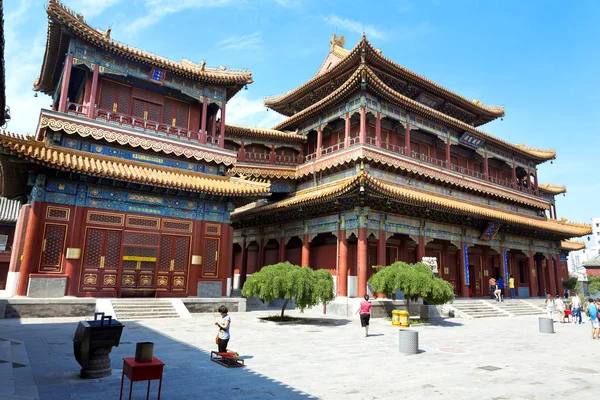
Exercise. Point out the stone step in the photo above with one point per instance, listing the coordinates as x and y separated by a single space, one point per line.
489 316
138 317
7 379
5 350
148 308
148 314
142 304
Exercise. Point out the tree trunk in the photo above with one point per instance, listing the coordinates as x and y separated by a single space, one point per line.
283 308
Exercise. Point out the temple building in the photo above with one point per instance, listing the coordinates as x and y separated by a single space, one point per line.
126 174
137 186
376 164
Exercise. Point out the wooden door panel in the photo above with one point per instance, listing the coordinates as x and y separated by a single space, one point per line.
53 247
173 263
211 257
101 259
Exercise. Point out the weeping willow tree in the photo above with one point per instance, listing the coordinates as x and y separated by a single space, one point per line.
414 280
286 281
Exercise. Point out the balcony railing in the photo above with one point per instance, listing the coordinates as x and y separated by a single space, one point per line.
77 109
332 149
261 158
287 160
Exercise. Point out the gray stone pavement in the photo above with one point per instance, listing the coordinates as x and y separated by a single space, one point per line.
329 358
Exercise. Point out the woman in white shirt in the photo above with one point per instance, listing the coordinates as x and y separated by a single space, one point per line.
223 329
549 306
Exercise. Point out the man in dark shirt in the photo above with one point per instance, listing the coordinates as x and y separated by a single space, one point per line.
501 287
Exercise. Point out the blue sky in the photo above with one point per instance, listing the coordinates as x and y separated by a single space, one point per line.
539 59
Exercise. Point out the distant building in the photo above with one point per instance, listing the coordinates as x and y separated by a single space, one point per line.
591 250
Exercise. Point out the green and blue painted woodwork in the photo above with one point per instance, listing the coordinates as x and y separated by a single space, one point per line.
84 54
59 191
96 148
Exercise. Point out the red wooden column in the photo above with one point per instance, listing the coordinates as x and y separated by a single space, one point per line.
203 120
281 249
213 127
73 267
381 248
319 141
32 246
486 169
559 272
222 135
552 273
554 207
91 111
420 248
244 269
535 180
378 129
514 177
261 255
272 155
242 151
342 281
464 288
305 251
448 159
407 141
532 278
362 261
64 89
347 131
363 125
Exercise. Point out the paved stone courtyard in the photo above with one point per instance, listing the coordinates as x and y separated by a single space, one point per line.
328 358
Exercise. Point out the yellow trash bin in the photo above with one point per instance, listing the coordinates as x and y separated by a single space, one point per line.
396 317
403 317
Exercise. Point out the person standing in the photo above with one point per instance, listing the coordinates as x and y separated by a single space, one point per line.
592 311
549 306
497 293
511 287
559 304
492 282
576 305
223 325
365 314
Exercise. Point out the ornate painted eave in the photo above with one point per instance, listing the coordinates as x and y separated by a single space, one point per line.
248 132
552 189
570 245
265 172
366 74
84 127
374 186
41 152
350 58
60 17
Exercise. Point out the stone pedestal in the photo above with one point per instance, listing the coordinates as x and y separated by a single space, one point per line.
409 341
546 325
98 365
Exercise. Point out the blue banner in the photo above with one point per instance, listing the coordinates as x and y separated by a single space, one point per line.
505 263
466 256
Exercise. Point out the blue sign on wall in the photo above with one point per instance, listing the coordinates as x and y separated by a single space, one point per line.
466 256
470 140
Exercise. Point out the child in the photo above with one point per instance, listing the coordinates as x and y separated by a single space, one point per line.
568 312
223 334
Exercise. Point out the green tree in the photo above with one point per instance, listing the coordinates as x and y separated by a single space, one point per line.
593 284
415 280
570 283
286 281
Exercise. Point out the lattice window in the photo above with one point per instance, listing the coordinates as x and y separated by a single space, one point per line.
58 213
138 108
115 97
412 256
140 239
113 249
213 229
93 248
452 266
372 257
148 96
182 245
164 261
105 218
107 98
176 113
141 222
211 248
172 225
54 239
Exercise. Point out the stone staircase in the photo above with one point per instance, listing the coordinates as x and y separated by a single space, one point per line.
518 308
133 309
255 304
469 309
16 375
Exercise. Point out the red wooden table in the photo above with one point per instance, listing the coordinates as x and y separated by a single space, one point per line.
136 371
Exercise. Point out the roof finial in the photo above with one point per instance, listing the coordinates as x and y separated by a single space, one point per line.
107 33
337 41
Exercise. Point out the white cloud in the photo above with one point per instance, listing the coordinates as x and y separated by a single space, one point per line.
251 41
355 26
156 10
242 110
90 8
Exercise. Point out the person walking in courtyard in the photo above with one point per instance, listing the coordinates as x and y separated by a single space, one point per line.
223 325
492 282
501 287
576 306
568 311
592 311
549 306
511 287
559 304
365 314
497 292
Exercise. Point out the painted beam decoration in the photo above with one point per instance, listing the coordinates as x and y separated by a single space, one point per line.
470 140
490 231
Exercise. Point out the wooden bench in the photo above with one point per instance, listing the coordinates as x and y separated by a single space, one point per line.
226 359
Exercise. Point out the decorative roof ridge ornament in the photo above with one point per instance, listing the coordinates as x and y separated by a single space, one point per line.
336 41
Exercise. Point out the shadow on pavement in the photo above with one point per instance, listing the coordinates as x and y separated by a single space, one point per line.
188 373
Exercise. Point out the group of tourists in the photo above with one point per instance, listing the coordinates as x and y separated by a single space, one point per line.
572 310
497 288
